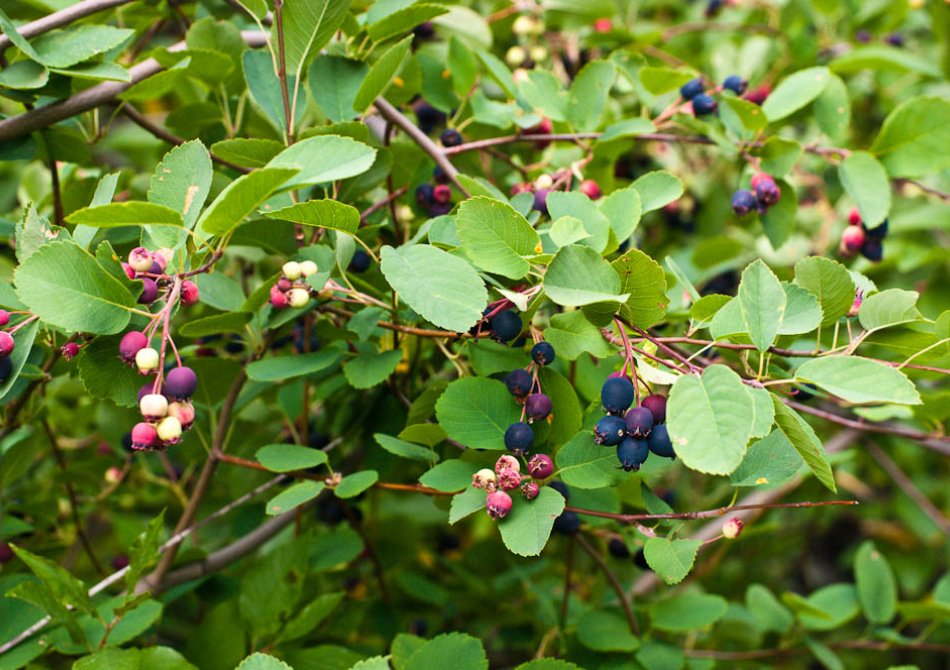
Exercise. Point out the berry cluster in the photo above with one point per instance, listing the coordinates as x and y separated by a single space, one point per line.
530 50
524 385
857 237
765 193
166 410
149 267
435 199
507 477
6 347
290 290
637 432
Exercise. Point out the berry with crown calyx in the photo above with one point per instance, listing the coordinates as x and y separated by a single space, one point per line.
147 360
184 411
189 293
537 406
130 344
153 406
540 466
140 259
484 479
498 504
169 430
7 344
181 382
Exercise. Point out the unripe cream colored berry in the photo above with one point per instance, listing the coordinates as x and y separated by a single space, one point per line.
732 528
526 25
113 475
146 360
483 479
153 406
538 53
169 430
298 297
308 268
544 181
405 213
516 56
291 270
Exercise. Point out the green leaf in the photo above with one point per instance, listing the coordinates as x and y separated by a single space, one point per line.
64 48
405 449
466 503
265 89
354 484
764 412
828 281
578 275
859 380
889 308
293 497
259 661
334 82
496 237
779 220
838 603
322 213
710 420
769 613
660 80
452 475
657 189
622 209
308 27
578 205
311 616
403 20
24 75
795 92
104 375
586 465
802 311
762 301
285 367
241 198
20 42
442 288
587 99
865 180
289 457
182 181
324 158
371 368
745 116
60 583
527 527
833 109
381 74
688 611
605 631
23 344
806 443
247 151
449 650
65 286
572 336
877 588
914 137
769 461
881 58
671 560
627 128
476 412
117 214
144 552
231 322
548 664
779 155
567 230
498 71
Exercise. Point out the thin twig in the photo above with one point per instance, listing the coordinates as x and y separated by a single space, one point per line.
62 18
614 583
709 513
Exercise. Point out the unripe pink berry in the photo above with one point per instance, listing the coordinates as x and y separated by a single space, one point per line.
530 490
163 257
113 475
277 297
509 479
144 436
507 462
498 504
541 466
153 406
189 293
169 430
184 411
6 344
69 350
591 189
854 217
483 479
130 344
140 259
284 284
129 272
856 305
4 317
852 239
732 528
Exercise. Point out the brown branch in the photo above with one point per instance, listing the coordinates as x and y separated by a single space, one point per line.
931 440
908 486
709 513
614 583
376 206
409 330
61 18
282 72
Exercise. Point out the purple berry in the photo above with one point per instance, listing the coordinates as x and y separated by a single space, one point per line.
451 137
519 382
541 466
542 353
149 291
537 406
692 88
181 382
506 325
743 202
660 443
703 105
69 350
616 395
541 200
657 406
131 343
639 422
6 553
632 452
735 83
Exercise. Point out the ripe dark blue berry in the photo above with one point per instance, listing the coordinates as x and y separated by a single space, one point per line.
802 393
542 353
632 452
713 8
451 137
743 202
360 261
519 438
657 406
616 395
519 383
439 176
736 84
660 443
873 250
692 88
567 524
879 232
537 406
618 548
428 117
506 326
704 104
181 382
609 431
6 369
561 488
424 195
639 422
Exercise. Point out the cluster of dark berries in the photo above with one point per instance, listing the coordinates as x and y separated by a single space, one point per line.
637 432
290 290
857 237
507 477
765 193
149 267
436 199
523 384
7 345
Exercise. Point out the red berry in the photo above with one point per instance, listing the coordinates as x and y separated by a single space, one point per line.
854 218
277 297
144 437
657 406
543 128
69 350
4 317
442 193
591 189
603 25
6 344
189 293
498 504
129 272
759 94
852 239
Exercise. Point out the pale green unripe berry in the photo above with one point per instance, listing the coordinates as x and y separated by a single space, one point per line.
515 56
292 270
308 268
169 429
298 297
146 360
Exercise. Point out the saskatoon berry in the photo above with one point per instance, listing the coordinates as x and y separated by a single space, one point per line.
509 479
657 406
507 462
618 548
766 190
895 40
440 208
169 430
4 317
632 452
519 437
120 562
616 395
713 8
424 195
506 326
278 299
519 382
640 560
442 194
541 200
140 259
802 394
6 553
6 344
537 406
736 84
541 466
298 297
852 239
146 360
181 382
6 369
759 94
360 261
873 250
484 479
153 406
149 291
609 431
439 176
157 268
660 443
743 202
498 504
189 293
561 488
450 137
591 189
544 127
878 232
567 524
704 105
639 422
184 412
130 344
291 270
144 436
308 268
530 490
542 353
692 88
854 217
428 117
